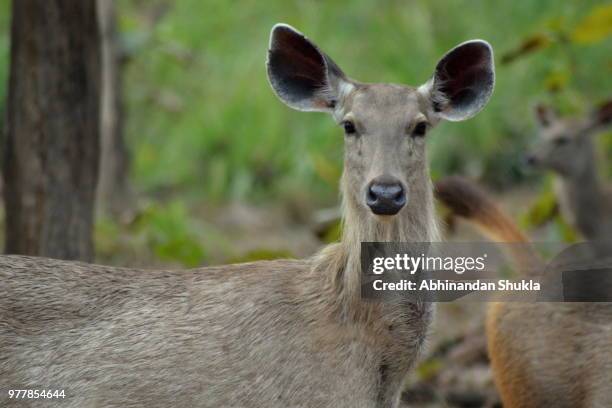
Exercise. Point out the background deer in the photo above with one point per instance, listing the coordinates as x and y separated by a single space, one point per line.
543 354
267 334
566 148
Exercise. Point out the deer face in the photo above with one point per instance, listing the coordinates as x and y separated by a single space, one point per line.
385 125
385 128
564 144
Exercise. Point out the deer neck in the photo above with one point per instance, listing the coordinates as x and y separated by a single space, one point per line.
581 199
416 222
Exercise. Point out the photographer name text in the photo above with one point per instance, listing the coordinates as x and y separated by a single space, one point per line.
459 286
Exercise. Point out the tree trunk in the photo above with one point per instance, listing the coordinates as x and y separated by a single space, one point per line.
52 140
114 195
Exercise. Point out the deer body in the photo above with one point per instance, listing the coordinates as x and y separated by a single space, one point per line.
265 337
545 354
551 354
267 334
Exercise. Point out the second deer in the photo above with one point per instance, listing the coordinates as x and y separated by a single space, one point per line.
547 354
566 147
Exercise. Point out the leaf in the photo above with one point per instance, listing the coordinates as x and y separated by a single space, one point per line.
556 24
594 27
529 45
429 369
542 211
567 233
334 233
556 81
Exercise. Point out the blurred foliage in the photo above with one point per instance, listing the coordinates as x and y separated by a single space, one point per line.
333 233
545 210
605 149
107 238
169 233
429 368
595 27
565 231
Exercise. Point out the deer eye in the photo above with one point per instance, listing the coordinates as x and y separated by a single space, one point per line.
561 141
349 127
419 130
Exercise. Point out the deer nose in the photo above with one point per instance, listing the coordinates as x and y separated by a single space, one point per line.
385 196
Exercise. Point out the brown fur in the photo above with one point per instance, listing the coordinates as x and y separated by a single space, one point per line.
262 334
542 354
466 200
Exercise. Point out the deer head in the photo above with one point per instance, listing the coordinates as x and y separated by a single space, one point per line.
385 125
564 144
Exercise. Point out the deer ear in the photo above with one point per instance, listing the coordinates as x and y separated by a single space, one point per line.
601 117
463 81
545 115
300 74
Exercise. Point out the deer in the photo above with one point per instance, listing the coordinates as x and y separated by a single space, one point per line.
565 147
282 333
545 354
